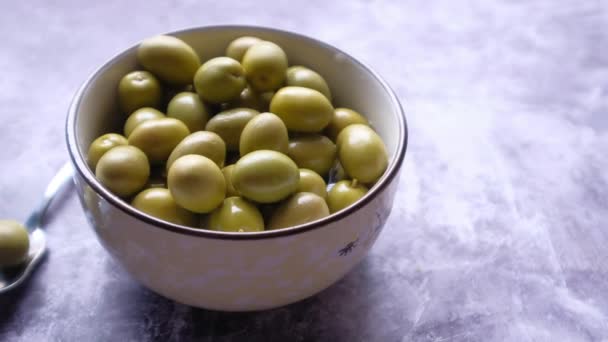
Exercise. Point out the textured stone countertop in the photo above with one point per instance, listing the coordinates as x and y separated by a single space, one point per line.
500 227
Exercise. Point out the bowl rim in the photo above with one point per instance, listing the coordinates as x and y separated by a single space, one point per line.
85 173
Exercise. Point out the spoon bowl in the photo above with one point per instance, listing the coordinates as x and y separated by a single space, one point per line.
14 276
11 277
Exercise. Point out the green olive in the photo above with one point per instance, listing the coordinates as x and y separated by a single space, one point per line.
220 79
139 116
158 137
124 170
300 208
189 109
169 58
102 145
265 176
237 48
302 109
236 215
343 117
265 131
265 65
139 89
250 98
230 190
344 193
14 243
229 125
310 181
362 153
203 143
303 77
159 203
196 183
313 151
171 92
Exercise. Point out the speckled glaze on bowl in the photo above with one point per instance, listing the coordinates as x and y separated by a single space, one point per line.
239 271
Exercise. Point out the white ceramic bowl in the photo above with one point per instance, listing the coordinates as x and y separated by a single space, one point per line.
239 271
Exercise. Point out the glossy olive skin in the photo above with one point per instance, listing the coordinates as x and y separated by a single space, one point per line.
159 203
265 176
265 131
236 215
237 48
313 151
248 98
344 193
227 172
229 125
220 79
300 208
139 116
102 145
170 93
196 183
203 143
158 137
343 117
311 181
362 153
189 109
169 58
302 109
139 89
303 77
265 65
124 170
14 243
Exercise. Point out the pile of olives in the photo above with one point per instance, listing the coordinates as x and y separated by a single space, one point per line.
239 143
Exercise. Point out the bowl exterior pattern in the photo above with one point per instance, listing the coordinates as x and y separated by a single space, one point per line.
231 274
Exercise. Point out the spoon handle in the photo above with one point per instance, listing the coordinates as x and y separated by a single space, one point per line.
62 178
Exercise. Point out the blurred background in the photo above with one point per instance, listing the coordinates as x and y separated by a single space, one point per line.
498 230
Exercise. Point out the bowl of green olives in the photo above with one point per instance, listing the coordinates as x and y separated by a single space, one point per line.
236 168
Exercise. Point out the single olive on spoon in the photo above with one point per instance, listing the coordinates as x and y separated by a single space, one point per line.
13 276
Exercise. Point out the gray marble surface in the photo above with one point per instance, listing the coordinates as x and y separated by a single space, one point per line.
499 231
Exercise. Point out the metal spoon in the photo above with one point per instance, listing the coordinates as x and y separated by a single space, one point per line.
14 276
